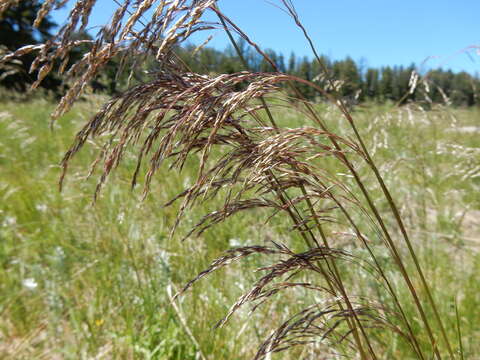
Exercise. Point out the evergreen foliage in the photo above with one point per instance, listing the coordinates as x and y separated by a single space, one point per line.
17 30
354 83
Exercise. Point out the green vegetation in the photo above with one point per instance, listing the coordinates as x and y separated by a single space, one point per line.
83 281
354 82
345 230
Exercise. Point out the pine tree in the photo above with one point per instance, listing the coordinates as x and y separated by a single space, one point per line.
371 86
386 84
292 63
16 30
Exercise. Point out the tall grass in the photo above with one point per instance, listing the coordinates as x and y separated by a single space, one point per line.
85 259
349 277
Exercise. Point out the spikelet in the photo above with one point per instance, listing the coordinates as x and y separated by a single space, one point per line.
44 10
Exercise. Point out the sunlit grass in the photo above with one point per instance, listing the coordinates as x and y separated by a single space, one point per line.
93 281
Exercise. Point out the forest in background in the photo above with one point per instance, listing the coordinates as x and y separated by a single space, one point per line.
337 230
354 81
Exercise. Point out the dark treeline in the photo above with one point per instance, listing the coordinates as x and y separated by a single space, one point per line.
16 30
346 78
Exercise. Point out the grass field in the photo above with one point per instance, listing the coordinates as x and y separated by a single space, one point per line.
83 281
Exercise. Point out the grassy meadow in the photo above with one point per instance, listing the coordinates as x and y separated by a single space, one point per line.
84 281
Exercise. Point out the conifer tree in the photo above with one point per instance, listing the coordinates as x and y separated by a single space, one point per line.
17 30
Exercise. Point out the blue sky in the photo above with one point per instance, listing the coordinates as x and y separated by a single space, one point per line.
376 32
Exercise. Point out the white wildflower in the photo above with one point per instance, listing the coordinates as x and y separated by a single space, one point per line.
30 283
59 252
41 207
234 242
9 221
137 300
163 255
121 217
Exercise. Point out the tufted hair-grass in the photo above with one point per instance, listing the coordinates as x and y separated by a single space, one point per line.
226 123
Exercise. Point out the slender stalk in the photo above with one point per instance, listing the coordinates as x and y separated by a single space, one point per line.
398 218
459 331
324 239
416 345
385 190
391 245
337 273
390 242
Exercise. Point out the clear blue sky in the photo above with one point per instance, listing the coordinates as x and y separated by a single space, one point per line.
379 32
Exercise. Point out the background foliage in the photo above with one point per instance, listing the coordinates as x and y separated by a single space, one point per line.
355 82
